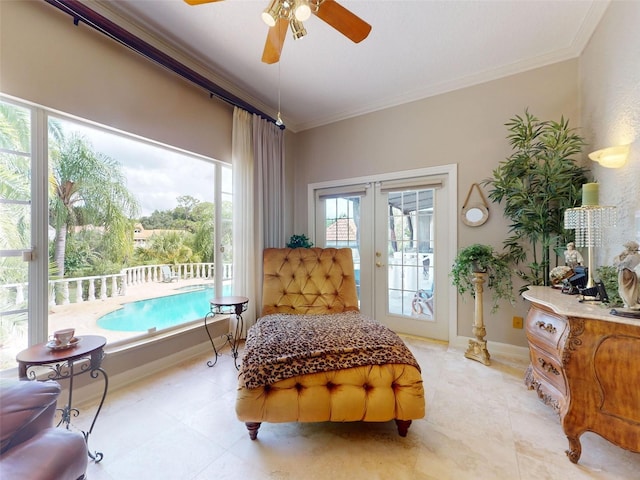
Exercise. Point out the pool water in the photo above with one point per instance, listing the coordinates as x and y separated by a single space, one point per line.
162 312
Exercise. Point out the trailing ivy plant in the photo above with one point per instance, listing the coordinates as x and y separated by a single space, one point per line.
483 258
536 184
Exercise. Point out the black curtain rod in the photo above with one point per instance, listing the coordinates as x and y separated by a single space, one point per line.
81 12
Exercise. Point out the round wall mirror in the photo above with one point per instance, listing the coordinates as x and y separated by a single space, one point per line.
475 215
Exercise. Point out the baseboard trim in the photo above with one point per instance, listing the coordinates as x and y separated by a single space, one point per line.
495 348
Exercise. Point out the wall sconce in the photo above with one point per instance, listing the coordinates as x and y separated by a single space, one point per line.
612 157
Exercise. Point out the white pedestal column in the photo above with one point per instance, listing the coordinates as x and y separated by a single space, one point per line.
477 349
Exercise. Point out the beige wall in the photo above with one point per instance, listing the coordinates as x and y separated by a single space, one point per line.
610 79
47 60
465 127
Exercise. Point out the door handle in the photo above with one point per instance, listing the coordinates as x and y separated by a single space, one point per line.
379 264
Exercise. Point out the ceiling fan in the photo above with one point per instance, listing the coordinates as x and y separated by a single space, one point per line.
281 14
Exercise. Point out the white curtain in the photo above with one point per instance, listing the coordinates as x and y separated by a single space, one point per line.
245 246
268 146
258 202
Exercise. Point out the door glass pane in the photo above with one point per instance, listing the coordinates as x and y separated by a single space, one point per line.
15 229
411 255
342 228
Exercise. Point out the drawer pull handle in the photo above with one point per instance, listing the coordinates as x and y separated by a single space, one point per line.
548 367
546 326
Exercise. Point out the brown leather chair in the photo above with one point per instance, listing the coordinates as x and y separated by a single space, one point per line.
30 446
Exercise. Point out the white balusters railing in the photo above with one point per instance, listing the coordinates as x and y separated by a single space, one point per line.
87 289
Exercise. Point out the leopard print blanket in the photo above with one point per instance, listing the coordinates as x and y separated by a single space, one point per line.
282 346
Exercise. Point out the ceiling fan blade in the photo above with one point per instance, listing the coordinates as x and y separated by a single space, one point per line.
275 41
347 23
200 2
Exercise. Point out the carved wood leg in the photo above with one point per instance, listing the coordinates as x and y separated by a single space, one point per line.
575 449
528 377
253 429
403 427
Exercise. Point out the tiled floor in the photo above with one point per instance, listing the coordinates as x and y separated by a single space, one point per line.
481 423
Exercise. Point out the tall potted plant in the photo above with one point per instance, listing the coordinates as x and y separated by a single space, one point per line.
483 259
536 184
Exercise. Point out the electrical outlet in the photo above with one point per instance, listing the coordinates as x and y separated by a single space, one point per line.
517 322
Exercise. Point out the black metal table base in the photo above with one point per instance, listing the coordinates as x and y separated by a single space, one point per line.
231 338
64 371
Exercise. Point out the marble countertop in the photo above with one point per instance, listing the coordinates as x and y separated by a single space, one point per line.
569 305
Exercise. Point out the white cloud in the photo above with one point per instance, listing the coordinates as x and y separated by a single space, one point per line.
156 175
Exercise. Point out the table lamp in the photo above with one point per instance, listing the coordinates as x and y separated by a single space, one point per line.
588 221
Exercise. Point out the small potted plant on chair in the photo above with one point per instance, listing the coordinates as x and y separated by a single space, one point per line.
478 258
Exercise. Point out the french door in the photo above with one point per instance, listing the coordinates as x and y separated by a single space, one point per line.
399 229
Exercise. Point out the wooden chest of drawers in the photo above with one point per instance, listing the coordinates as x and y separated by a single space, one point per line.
546 334
585 364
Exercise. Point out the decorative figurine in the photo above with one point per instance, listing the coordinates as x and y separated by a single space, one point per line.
572 257
558 274
628 286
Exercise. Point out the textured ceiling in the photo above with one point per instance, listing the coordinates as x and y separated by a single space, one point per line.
416 49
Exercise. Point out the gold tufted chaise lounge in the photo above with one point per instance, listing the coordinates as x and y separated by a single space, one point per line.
301 286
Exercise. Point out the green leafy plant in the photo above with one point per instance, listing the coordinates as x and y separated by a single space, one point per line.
536 184
483 258
608 275
299 241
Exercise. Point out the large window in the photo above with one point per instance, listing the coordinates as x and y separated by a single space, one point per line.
136 236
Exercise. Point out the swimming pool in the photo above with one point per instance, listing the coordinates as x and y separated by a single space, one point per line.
162 312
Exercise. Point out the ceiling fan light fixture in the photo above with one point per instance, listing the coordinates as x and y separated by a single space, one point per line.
297 28
302 10
272 12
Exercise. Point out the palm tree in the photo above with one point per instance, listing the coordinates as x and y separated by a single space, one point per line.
88 188
168 247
